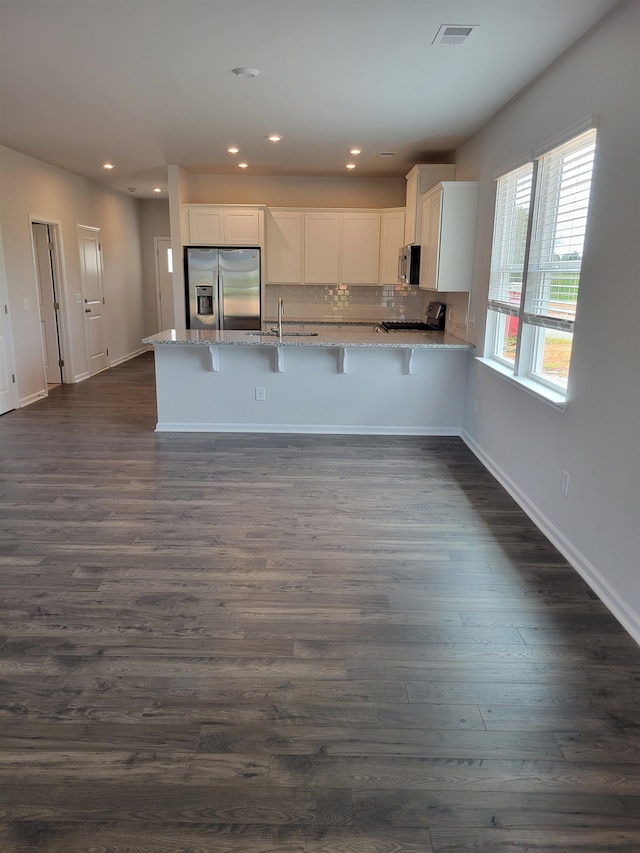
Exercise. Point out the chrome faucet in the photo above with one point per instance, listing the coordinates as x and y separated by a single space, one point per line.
280 314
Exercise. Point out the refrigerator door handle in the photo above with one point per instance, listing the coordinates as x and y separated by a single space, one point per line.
220 302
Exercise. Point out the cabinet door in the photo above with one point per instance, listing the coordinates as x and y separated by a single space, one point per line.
391 241
457 235
448 236
430 239
284 247
242 227
206 225
322 248
360 248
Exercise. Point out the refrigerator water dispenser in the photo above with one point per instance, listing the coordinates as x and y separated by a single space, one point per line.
204 299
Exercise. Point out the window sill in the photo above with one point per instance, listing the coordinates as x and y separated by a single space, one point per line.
534 389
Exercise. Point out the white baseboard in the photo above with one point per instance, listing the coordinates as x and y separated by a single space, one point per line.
305 429
32 398
628 618
128 357
80 377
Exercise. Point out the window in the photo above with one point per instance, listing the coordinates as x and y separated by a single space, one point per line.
538 239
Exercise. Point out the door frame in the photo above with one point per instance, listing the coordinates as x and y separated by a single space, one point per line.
156 255
57 271
13 396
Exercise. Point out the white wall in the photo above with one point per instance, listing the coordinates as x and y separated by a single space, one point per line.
294 192
597 438
31 188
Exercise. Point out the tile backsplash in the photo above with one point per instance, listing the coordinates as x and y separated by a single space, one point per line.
342 303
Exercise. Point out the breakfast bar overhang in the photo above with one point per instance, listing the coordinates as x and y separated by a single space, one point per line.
335 381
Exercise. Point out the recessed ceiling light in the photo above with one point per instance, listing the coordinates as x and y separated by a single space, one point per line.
108 165
133 189
243 71
274 137
355 151
233 149
157 189
351 165
243 165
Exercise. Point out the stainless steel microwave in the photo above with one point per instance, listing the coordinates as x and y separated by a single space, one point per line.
409 264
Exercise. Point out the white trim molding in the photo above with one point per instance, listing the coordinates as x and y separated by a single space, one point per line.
628 618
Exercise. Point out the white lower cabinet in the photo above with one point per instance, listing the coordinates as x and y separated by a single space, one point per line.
448 236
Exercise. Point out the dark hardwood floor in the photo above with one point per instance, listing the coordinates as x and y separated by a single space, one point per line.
293 644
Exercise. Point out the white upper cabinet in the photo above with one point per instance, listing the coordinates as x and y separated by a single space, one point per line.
218 225
205 225
419 180
243 226
360 247
284 246
354 247
341 247
391 241
322 246
448 236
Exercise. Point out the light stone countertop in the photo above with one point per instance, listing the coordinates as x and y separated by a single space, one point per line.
355 336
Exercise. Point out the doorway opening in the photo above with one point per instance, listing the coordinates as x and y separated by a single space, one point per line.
47 269
164 283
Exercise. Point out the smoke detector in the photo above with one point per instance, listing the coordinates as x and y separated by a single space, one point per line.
454 34
243 71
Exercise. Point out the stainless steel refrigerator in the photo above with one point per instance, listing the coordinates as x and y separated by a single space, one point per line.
222 288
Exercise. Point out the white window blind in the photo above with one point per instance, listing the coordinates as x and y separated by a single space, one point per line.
563 184
513 200
539 235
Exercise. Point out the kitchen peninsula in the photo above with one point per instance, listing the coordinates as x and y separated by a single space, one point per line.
348 379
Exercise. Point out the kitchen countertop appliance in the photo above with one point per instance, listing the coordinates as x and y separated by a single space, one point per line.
434 321
222 288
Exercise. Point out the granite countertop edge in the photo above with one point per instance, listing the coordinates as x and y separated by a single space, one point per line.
344 338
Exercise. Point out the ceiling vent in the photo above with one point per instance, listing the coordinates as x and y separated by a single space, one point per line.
387 153
454 34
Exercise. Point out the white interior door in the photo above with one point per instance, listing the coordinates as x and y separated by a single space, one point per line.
8 389
164 283
48 301
95 324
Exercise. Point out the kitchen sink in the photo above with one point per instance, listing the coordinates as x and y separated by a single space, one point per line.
284 334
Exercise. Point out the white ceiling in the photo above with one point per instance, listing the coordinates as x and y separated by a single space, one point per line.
146 83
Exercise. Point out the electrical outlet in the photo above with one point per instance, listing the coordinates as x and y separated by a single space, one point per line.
25 304
261 394
564 483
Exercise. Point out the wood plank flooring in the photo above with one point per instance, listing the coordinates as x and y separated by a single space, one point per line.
293 644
